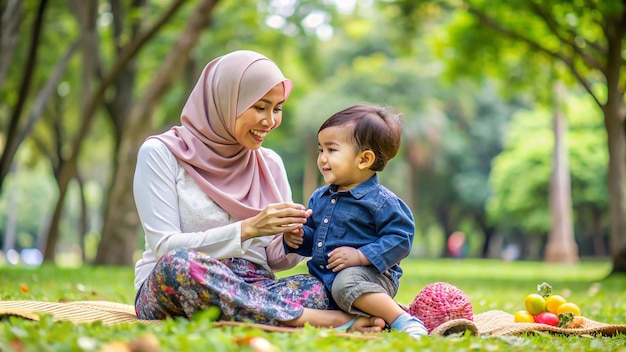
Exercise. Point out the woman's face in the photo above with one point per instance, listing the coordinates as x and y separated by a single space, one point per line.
256 122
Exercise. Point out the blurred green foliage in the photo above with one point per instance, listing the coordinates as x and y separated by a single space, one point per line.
461 166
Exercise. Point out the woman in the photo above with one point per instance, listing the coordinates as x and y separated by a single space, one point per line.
213 204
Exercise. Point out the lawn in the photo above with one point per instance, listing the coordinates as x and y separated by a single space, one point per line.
490 284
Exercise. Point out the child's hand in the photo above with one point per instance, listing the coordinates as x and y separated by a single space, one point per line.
345 257
294 238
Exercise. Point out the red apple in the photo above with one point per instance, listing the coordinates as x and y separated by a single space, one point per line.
547 318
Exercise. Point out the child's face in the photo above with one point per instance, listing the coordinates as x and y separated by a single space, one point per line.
338 158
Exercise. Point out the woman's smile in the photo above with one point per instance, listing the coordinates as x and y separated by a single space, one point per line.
259 134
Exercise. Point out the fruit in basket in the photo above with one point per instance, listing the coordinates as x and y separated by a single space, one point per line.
545 308
553 302
568 307
522 316
547 318
535 303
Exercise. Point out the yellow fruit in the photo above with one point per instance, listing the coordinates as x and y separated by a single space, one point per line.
535 303
553 302
522 316
568 307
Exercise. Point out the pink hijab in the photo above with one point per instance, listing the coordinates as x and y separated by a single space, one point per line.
241 181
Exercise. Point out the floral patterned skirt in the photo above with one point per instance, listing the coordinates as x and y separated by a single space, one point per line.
186 281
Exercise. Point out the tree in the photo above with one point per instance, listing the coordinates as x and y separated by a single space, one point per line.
111 37
519 204
93 101
561 247
515 39
119 235
130 33
13 14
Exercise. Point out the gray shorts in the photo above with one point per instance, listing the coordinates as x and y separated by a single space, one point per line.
351 283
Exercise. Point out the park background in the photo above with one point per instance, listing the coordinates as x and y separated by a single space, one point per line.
514 138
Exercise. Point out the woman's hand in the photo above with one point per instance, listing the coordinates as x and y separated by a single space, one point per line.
273 219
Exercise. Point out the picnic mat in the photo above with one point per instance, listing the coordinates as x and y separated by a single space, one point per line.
493 323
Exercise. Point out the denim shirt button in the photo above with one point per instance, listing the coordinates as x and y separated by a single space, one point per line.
325 221
319 244
333 200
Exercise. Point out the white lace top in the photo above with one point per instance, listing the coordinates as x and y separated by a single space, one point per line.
176 213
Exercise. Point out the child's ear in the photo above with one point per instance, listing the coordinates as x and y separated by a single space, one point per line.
367 159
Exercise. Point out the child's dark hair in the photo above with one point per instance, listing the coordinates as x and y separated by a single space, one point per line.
375 128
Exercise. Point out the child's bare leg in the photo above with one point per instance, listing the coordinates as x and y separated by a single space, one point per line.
382 305
379 304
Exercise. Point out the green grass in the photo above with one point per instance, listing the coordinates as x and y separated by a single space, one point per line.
490 284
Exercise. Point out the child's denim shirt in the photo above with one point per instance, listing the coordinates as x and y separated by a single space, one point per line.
369 217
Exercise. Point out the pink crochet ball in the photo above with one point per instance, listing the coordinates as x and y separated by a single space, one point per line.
440 302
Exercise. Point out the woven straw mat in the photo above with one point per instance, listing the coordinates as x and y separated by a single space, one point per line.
76 312
494 323
499 323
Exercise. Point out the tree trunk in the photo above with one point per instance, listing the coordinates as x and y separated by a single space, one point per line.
11 144
10 230
444 218
119 231
87 11
597 233
68 170
12 14
617 155
531 246
119 234
561 247
619 263
83 221
614 114
488 231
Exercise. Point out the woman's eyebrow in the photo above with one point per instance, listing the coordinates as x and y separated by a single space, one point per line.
270 102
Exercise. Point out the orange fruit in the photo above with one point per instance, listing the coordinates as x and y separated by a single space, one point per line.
568 307
553 302
535 303
522 316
